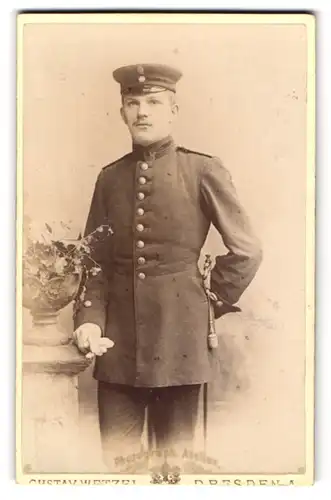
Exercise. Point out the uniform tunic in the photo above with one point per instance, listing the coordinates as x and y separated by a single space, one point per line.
149 299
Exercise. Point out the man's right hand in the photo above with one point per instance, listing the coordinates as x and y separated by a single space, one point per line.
89 341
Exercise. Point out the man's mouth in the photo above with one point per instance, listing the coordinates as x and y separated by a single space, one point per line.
143 125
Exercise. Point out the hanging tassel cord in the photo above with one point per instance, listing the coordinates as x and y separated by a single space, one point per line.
212 298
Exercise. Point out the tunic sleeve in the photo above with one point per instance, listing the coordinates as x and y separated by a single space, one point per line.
94 306
234 271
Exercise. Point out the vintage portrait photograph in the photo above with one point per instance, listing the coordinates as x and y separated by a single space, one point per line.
165 267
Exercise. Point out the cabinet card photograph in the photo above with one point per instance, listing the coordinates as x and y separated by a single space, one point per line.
165 249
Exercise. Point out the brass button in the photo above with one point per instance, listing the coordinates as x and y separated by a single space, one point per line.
140 196
140 244
144 166
140 211
141 276
87 303
140 227
141 260
142 180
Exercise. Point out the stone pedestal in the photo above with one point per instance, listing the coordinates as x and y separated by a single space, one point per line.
50 411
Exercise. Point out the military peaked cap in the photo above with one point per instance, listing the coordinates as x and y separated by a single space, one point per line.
147 78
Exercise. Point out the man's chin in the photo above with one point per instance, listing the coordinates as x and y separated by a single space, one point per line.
144 139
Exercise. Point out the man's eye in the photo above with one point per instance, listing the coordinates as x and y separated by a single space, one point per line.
153 101
131 103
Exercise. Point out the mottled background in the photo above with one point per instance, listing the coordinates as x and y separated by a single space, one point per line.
242 98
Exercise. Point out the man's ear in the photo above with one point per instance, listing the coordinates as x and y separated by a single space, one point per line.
175 109
123 115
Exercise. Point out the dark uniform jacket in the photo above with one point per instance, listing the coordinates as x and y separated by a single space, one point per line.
160 202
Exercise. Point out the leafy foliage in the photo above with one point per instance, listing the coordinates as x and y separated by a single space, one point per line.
54 268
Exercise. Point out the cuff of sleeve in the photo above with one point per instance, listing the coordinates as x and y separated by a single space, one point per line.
95 316
224 307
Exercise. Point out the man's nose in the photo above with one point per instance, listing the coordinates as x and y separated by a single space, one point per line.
142 109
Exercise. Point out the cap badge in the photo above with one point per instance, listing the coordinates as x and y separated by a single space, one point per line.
141 77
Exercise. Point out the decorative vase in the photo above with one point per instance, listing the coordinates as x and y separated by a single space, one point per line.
52 296
45 303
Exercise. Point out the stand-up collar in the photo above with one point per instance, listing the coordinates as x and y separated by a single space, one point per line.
155 150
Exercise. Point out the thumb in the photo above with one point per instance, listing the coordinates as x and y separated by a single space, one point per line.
106 342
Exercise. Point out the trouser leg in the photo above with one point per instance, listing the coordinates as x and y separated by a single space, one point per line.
121 418
173 415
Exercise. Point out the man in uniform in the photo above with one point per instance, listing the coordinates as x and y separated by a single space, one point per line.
149 303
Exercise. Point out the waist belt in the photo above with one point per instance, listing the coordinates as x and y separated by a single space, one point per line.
155 267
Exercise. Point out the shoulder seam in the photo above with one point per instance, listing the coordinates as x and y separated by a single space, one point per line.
186 150
115 161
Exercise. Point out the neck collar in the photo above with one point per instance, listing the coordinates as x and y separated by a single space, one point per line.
155 150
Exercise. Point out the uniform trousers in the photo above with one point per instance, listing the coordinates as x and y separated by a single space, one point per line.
172 416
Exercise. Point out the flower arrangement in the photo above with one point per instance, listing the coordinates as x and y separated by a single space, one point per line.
55 268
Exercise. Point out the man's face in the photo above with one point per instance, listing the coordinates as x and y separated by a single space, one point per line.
149 117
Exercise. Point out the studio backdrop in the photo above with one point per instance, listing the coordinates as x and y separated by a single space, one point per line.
242 98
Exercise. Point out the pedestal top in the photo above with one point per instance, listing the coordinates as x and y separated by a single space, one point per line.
47 348
64 359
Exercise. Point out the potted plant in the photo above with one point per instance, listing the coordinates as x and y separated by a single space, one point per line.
56 268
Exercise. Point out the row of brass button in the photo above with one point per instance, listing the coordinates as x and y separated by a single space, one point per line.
140 211
140 227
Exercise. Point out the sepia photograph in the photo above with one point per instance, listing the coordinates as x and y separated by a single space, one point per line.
165 263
